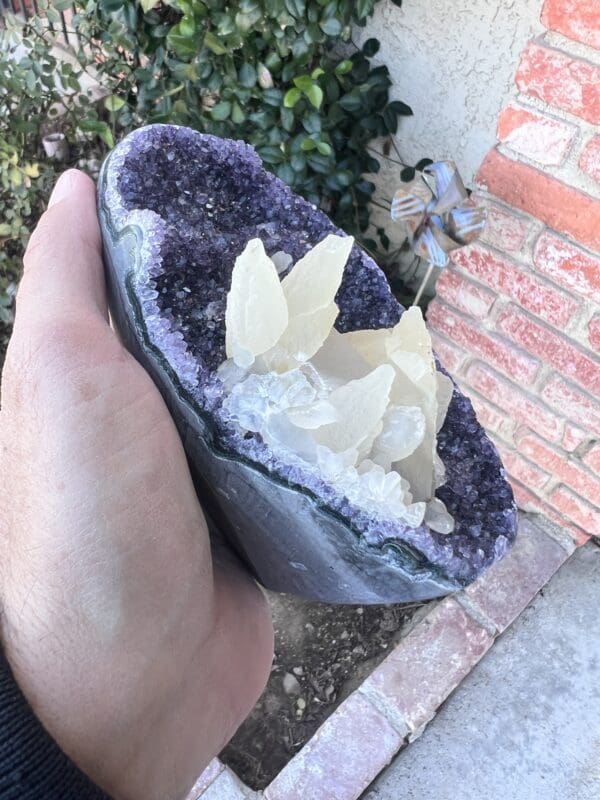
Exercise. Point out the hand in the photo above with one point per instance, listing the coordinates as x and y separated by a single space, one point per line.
138 653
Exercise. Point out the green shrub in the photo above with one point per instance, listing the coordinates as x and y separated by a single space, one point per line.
282 74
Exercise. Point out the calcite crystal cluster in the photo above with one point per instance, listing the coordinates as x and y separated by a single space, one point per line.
363 407
322 490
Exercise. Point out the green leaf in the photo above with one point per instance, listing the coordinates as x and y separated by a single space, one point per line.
63 5
391 120
286 173
308 145
213 43
316 73
298 162
296 8
343 67
291 97
148 5
324 148
424 162
350 102
407 174
362 8
221 111
400 108
113 103
272 97
332 27
187 26
315 95
271 154
247 75
370 47
303 82
237 115
107 5
183 46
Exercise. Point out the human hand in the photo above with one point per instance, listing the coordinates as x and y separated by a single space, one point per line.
138 653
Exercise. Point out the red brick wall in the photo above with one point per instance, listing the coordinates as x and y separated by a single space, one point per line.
517 315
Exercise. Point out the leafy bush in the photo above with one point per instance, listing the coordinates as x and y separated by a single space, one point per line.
282 74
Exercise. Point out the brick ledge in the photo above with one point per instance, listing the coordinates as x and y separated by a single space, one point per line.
401 696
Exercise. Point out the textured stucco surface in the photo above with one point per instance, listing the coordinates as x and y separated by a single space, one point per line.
454 64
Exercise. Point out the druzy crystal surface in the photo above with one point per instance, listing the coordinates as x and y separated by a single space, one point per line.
177 208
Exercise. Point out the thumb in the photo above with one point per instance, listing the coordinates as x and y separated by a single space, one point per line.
63 262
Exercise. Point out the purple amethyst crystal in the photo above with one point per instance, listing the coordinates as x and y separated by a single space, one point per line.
176 209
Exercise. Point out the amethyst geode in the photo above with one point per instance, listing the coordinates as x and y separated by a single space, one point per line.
176 209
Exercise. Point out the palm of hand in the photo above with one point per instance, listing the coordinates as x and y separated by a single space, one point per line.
138 654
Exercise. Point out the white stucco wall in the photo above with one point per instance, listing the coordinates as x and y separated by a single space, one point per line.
453 62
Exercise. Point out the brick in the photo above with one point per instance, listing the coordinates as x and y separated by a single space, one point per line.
573 437
429 663
567 469
554 349
511 584
451 356
594 332
504 230
493 349
527 501
491 417
575 19
524 407
208 776
592 458
574 404
561 207
351 747
560 80
469 297
589 160
521 469
524 287
577 509
534 135
568 265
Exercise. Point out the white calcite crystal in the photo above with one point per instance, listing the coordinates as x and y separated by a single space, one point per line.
362 408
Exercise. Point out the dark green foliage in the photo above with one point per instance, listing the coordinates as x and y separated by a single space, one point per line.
283 75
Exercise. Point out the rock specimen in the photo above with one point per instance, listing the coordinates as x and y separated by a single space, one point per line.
177 209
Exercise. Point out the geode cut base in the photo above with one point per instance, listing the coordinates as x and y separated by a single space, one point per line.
176 208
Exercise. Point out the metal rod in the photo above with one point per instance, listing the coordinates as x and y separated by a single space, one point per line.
423 284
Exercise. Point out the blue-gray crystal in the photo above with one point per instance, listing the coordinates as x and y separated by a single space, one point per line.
176 208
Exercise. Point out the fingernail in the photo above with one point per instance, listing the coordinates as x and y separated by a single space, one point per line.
63 187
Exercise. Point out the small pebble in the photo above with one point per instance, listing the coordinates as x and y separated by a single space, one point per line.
290 684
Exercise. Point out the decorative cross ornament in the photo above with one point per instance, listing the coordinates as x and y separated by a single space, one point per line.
438 213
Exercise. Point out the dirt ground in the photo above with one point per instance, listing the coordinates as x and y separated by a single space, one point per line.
322 653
